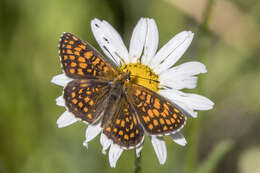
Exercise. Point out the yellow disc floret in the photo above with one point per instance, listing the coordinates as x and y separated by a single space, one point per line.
141 75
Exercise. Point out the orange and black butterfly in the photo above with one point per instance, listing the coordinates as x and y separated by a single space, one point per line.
99 91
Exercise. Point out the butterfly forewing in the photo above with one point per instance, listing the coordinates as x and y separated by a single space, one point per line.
80 60
157 115
86 98
124 128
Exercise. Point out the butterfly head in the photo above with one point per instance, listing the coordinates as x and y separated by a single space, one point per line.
125 76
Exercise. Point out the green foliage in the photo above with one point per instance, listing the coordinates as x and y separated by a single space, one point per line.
30 139
214 158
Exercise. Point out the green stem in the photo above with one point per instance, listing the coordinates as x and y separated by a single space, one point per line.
137 168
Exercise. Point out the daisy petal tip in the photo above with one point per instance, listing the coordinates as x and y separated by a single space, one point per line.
95 20
189 34
178 138
204 69
211 106
162 162
105 142
114 154
60 101
95 24
138 150
159 148
137 40
66 119
185 34
192 114
182 34
61 80
92 131
112 165
104 152
198 67
85 144
55 79
141 20
151 41
206 103
211 103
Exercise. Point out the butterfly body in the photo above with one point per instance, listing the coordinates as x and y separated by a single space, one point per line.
100 92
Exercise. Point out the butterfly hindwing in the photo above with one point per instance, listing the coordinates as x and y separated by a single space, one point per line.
157 115
124 128
86 98
80 60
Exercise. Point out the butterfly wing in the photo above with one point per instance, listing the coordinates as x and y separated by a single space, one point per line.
86 98
124 128
157 115
80 60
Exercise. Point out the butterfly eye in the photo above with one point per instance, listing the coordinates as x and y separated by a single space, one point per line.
128 74
128 77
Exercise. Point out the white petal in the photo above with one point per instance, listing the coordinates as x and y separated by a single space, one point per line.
61 80
137 40
115 36
109 41
66 119
85 144
188 68
118 40
105 142
188 102
60 101
168 48
92 131
182 76
178 138
138 150
114 154
159 148
151 42
172 51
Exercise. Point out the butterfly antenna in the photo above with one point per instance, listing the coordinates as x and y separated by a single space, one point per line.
146 78
122 60
111 56
163 86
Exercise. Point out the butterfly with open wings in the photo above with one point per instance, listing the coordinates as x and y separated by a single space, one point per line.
97 91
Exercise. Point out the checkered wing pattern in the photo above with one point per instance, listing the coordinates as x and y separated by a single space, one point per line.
124 128
80 60
86 98
157 115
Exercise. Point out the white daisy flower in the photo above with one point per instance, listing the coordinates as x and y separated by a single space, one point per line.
144 60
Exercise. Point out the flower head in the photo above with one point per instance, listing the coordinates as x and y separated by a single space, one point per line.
150 68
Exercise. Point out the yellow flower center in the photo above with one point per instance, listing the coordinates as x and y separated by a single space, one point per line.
141 75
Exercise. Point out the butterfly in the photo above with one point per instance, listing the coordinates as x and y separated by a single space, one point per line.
100 92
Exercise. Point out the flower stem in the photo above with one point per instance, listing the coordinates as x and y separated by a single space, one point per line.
137 168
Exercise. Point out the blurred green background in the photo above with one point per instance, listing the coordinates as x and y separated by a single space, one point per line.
225 139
